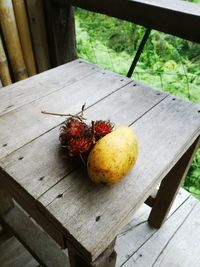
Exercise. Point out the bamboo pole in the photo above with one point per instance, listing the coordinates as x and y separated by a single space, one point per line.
24 34
39 35
4 70
9 29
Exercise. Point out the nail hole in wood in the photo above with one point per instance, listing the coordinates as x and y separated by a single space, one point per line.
140 255
97 218
4 145
135 84
59 196
158 93
41 178
20 158
173 99
199 111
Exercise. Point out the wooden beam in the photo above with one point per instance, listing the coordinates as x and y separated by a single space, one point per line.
175 17
60 31
38 243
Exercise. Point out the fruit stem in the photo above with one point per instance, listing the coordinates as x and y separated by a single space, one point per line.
80 117
83 161
93 133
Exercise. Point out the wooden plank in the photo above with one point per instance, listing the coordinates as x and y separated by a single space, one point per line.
185 243
170 186
175 17
30 206
13 254
106 259
137 232
26 91
68 99
153 249
39 244
52 168
38 32
175 121
61 32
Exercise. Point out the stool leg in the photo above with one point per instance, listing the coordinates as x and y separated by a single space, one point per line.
106 259
170 186
6 202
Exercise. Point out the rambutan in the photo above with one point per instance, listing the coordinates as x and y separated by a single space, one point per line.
76 146
72 128
102 128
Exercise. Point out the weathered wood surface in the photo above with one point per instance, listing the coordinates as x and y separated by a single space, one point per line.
170 186
26 91
174 244
61 32
165 125
44 249
48 170
179 248
39 35
13 254
166 121
137 231
28 121
173 16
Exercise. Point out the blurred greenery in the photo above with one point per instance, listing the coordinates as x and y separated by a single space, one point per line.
167 62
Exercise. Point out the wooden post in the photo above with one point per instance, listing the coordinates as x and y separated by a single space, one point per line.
61 31
10 33
4 70
106 259
38 32
170 186
6 202
24 34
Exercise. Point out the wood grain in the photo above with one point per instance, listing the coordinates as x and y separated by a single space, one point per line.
55 166
39 35
176 17
137 231
44 83
69 99
61 31
170 186
13 254
166 121
154 251
39 244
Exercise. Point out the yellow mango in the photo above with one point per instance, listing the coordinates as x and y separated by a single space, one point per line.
113 156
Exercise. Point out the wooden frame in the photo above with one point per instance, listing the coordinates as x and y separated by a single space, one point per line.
176 17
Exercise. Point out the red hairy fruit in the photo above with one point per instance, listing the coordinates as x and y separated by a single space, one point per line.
79 145
72 128
102 128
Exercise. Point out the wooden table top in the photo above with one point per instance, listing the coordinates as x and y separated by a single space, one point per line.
90 215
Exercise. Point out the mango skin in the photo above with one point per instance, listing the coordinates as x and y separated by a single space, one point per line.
113 156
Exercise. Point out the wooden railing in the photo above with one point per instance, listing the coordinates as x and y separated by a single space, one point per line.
175 17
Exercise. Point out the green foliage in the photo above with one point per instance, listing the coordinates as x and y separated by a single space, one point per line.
167 62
